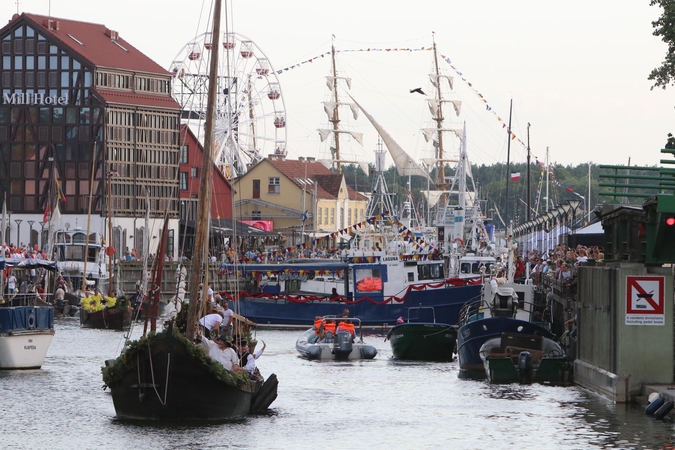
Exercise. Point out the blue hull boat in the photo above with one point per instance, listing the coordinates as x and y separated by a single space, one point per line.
373 311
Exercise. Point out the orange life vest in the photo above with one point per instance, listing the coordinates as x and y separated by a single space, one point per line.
346 326
329 326
317 325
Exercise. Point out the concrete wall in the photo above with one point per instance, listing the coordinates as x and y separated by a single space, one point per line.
608 348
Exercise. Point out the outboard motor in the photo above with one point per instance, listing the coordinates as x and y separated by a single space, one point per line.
342 346
525 366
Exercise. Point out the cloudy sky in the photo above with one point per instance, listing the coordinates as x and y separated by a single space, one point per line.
576 71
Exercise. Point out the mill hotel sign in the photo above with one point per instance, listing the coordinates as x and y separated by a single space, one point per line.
30 98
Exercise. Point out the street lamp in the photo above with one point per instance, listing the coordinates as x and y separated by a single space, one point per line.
18 229
42 232
30 233
574 204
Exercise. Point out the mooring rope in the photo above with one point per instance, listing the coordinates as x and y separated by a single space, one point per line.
152 374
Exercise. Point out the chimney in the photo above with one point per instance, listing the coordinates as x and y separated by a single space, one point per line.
113 35
51 24
301 158
311 159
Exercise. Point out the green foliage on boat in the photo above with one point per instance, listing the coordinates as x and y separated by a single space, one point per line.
114 373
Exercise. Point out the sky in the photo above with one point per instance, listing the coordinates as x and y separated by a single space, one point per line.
576 71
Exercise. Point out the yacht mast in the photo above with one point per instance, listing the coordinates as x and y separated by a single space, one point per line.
204 203
440 176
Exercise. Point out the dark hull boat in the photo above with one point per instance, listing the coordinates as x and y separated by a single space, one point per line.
164 378
421 338
107 319
518 358
423 341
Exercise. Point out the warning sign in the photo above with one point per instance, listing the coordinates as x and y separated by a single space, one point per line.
645 303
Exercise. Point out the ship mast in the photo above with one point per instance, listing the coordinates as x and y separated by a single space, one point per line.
335 120
440 176
204 203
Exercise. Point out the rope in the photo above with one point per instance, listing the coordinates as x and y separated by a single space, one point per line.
152 376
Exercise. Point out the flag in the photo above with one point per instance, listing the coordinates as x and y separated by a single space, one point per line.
4 220
48 213
60 193
515 176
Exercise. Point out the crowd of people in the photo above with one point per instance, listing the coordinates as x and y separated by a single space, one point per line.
559 264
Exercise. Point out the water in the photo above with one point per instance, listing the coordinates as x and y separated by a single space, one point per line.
376 404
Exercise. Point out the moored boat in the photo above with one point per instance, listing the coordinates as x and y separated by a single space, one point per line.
521 358
421 338
341 345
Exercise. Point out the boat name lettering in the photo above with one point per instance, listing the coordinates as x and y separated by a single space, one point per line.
390 258
32 98
29 347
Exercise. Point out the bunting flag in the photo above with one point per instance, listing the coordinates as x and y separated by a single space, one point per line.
62 197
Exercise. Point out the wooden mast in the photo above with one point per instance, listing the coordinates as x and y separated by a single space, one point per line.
86 245
336 116
204 202
440 176
110 250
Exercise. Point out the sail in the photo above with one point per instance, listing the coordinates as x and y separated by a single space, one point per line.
404 163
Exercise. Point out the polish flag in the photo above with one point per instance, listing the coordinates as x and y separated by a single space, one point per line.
515 176
48 214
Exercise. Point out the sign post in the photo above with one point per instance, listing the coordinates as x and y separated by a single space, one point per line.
645 300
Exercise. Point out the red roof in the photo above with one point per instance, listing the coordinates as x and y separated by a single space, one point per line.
129 98
93 42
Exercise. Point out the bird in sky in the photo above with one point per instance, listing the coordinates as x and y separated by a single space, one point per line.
418 90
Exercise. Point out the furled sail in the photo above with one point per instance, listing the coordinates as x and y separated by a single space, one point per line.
324 134
429 133
404 163
329 108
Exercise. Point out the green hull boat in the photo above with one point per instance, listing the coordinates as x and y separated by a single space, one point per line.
423 341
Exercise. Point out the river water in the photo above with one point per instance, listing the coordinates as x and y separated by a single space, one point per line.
375 404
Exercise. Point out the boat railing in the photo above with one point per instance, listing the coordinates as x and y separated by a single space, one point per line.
420 308
25 299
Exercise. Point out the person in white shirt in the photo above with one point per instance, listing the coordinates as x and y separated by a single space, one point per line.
211 324
220 350
228 315
11 284
248 359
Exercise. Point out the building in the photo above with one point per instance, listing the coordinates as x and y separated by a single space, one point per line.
190 166
81 105
279 190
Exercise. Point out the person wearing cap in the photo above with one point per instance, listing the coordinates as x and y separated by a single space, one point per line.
671 141
221 350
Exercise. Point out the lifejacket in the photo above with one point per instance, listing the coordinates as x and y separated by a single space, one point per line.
329 326
346 326
317 325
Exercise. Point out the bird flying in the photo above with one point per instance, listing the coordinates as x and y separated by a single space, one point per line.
418 90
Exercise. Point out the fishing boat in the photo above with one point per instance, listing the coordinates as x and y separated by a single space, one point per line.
317 344
164 376
26 328
509 318
419 337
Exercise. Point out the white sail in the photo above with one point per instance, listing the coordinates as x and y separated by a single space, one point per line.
404 163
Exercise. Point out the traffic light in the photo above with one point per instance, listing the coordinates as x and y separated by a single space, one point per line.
660 229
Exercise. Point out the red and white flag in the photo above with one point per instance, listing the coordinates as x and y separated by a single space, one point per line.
48 213
515 176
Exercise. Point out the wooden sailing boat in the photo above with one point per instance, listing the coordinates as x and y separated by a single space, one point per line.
165 376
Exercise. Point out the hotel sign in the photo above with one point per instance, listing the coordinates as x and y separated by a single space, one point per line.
31 98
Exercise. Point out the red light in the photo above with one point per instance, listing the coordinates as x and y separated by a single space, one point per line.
670 221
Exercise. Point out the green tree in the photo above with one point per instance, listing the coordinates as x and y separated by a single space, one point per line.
665 28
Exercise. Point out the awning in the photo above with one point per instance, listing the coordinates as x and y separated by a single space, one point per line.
330 265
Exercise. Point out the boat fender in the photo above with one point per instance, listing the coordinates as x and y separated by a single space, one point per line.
654 406
313 352
265 395
653 396
524 364
368 352
663 410
30 321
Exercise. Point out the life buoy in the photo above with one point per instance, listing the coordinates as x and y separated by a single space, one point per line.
458 241
31 321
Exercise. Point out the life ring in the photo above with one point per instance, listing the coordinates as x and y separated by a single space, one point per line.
458 241
31 321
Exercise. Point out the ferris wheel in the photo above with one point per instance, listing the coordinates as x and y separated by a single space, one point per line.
250 113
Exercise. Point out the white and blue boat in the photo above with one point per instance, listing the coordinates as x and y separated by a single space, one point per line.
26 328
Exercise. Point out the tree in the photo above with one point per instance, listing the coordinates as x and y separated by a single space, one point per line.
665 28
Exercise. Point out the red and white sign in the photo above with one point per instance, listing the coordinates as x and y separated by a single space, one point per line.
645 300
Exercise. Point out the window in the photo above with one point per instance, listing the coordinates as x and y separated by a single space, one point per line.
432 271
255 215
183 154
183 181
195 172
332 216
274 186
256 188
411 277
349 222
